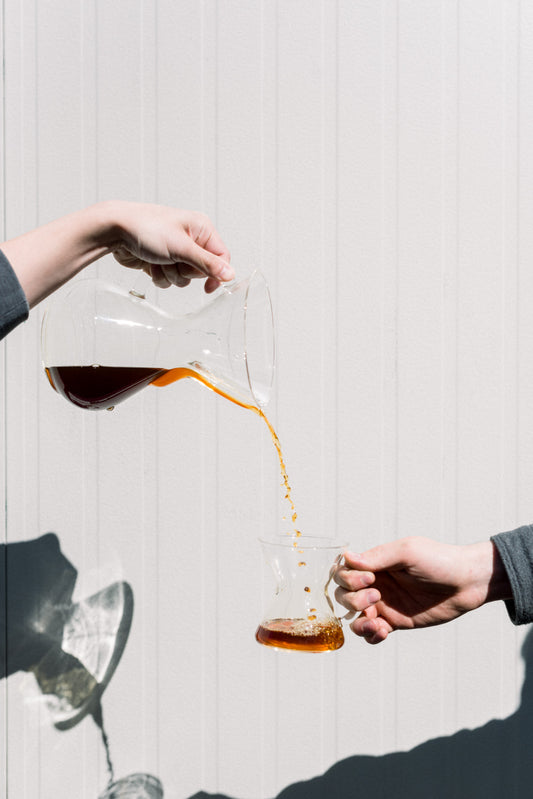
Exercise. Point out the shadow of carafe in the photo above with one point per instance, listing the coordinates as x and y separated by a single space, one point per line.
71 648
134 786
484 763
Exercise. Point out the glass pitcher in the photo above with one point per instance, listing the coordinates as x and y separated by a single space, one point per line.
300 616
101 343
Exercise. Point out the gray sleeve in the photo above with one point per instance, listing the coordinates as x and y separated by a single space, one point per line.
516 551
14 306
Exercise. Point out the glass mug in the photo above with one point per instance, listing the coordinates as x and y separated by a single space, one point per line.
301 616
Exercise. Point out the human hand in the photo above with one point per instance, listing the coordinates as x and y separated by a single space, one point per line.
172 246
417 582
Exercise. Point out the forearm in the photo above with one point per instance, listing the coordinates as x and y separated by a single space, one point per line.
45 258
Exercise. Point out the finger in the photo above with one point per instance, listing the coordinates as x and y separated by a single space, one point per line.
184 270
371 612
215 266
374 631
191 261
394 555
158 276
210 285
210 264
180 274
357 600
126 258
214 244
353 579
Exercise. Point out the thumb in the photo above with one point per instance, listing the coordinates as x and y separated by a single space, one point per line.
380 558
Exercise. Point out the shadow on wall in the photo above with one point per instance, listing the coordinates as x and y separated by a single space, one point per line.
72 649
493 761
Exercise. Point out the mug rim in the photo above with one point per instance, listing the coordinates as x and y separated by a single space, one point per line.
305 542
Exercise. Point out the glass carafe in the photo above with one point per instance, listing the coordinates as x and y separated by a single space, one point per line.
101 343
300 615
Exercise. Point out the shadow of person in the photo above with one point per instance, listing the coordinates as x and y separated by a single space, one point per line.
484 763
71 648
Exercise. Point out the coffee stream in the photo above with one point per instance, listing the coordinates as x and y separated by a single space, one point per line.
98 387
139 785
172 375
99 721
177 374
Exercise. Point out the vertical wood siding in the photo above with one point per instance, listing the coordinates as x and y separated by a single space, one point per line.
375 160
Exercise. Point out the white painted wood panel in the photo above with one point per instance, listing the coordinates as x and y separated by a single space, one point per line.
374 159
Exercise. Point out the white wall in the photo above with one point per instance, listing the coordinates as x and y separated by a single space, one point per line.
375 160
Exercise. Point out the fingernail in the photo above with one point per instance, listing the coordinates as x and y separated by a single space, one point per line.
372 597
227 273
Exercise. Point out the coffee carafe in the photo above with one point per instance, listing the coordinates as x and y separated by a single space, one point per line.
102 343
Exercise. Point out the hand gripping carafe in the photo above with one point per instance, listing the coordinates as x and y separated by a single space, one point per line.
101 343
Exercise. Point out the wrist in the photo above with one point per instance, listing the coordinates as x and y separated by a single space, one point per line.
46 257
487 572
107 223
499 585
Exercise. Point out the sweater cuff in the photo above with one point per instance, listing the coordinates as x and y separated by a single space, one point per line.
516 552
14 307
